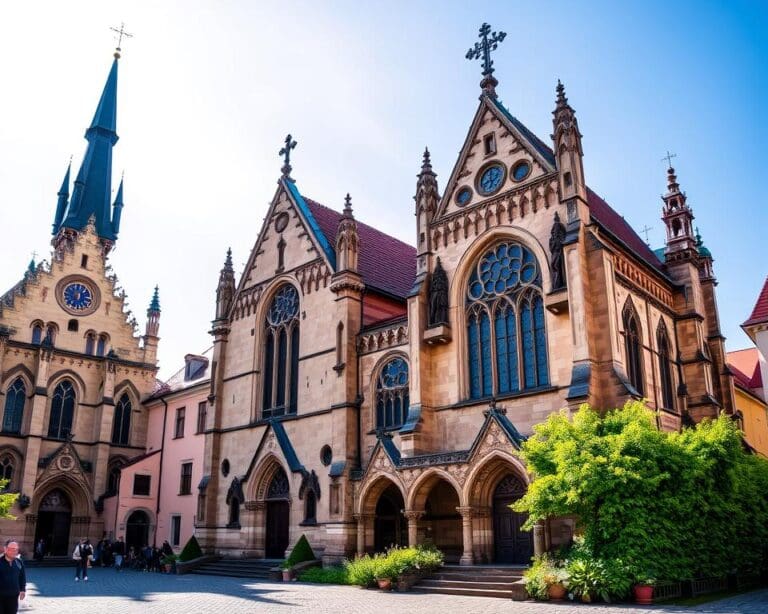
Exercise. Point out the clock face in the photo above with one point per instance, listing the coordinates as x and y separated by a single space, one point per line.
491 179
78 296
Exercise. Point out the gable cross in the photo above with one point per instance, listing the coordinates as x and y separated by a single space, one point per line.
286 153
483 50
668 158
646 230
120 33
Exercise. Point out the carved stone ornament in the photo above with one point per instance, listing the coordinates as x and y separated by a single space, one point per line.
65 462
438 296
557 263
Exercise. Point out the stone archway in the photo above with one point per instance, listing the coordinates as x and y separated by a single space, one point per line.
54 517
496 535
380 519
433 513
277 516
137 530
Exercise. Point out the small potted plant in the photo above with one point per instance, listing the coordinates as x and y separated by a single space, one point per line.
385 572
287 571
557 584
643 589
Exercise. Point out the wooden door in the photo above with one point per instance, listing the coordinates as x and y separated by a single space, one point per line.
277 529
512 545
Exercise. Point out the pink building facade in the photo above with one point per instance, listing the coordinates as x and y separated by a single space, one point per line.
154 497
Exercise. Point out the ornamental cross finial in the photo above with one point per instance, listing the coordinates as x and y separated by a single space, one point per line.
668 158
286 153
483 50
120 34
645 230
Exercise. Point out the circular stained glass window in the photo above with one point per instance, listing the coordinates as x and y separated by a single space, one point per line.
491 179
463 196
502 270
521 170
284 306
326 455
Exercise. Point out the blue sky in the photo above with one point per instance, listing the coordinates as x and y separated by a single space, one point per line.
208 91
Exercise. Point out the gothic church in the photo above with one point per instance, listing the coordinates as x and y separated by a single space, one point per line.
367 393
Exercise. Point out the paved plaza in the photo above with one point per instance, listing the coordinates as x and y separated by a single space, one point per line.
54 591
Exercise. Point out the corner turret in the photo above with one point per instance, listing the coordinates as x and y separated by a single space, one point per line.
117 209
225 291
566 139
427 199
61 205
347 240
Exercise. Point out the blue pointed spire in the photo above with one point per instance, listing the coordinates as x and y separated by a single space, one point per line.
117 209
154 305
63 195
93 185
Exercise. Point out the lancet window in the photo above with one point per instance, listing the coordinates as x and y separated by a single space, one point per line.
15 397
392 394
281 354
62 410
121 426
665 368
506 334
633 344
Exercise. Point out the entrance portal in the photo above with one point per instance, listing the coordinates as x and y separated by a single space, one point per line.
53 520
511 543
278 516
390 527
137 530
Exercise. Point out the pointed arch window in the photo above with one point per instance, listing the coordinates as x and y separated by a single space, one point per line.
392 394
506 333
37 334
101 345
633 345
665 368
62 410
15 397
7 468
90 342
121 426
281 354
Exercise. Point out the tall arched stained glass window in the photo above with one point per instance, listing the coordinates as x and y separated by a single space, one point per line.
506 334
281 354
665 367
121 426
392 394
633 344
62 410
15 398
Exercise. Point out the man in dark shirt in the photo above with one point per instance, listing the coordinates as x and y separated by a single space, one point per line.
13 580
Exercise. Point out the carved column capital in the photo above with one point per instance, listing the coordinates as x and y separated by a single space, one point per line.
466 511
413 514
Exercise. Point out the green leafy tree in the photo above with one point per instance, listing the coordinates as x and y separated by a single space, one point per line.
7 499
663 505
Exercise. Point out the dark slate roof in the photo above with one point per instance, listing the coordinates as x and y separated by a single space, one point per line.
760 311
385 263
286 446
615 224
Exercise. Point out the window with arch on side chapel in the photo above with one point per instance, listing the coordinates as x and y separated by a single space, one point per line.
506 334
281 354
392 394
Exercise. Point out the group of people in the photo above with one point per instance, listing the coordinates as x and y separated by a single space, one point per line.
113 554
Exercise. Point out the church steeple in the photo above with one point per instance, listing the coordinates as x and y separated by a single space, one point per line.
678 218
92 192
61 205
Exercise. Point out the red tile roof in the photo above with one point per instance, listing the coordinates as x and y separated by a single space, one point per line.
386 264
760 312
745 365
607 217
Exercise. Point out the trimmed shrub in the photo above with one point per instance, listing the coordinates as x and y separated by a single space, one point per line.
191 550
362 570
301 552
325 575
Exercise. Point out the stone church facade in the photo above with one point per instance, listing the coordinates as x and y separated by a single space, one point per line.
367 393
73 369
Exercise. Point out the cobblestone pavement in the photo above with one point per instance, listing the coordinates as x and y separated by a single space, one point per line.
54 591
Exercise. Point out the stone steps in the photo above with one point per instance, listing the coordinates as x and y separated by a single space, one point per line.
51 561
479 581
239 568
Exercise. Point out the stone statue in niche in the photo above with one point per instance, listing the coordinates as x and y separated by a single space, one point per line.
438 296
556 266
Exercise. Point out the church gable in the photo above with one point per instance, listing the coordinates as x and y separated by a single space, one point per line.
288 240
499 155
77 297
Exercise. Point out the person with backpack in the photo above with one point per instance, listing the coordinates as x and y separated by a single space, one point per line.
13 579
81 554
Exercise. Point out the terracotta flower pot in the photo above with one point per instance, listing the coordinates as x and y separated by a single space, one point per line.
287 575
385 584
643 594
556 592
